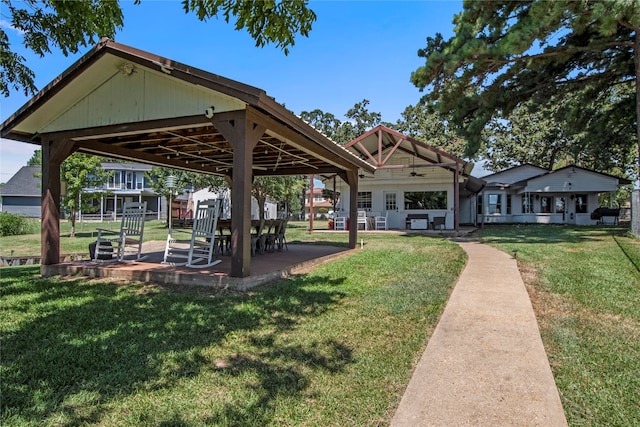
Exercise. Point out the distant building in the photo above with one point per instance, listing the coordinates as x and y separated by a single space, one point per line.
22 193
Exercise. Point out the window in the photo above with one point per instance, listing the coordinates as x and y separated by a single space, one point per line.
508 204
546 204
495 203
364 199
581 203
390 203
559 204
425 200
479 204
115 180
527 204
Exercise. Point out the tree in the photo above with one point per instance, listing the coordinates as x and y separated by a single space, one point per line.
36 159
425 124
285 189
70 25
360 121
80 171
505 53
530 134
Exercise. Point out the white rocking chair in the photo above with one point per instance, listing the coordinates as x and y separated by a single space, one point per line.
198 251
126 241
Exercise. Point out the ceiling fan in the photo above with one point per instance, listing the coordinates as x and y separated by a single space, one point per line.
413 169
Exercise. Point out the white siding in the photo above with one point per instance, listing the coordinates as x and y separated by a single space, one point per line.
576 181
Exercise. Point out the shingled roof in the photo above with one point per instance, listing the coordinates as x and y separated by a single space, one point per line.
26 183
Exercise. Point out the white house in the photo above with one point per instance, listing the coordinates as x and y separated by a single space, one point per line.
412 181
530 194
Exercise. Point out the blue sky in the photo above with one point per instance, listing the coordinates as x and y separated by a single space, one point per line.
356 50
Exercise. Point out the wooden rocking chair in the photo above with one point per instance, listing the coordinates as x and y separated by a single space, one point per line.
198 251
128 240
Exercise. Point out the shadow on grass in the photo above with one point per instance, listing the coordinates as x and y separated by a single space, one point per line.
104 342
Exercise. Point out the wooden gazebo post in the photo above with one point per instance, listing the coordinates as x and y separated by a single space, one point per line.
53 154
243 135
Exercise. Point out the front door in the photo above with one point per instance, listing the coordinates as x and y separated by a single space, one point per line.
391 210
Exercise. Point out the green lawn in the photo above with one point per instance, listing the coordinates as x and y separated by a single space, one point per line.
584 284
332 347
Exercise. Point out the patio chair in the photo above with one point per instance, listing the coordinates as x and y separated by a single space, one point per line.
340 223
199 249
381 222
255 237
362 219
128 240
271 236
281 237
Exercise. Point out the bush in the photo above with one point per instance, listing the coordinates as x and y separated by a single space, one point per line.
14 225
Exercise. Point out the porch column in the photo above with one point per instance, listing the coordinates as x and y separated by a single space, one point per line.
351 178
243 135
53 154
456 198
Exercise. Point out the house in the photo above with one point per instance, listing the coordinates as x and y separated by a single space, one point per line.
22 193
127 183
530 194
415 185
322 205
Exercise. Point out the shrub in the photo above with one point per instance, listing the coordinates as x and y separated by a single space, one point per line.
13 225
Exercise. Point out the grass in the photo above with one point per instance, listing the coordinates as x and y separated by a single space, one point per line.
332 347
584 284
86 233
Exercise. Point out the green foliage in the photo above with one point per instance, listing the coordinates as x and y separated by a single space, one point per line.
505 53
360 121
426 124
16 225
77 172
266 21
36 159
47 25
70 25
285 189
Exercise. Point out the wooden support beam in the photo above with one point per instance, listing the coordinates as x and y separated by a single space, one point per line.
53 154
243 135
352 181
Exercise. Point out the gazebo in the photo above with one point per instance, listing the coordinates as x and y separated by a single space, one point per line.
121 102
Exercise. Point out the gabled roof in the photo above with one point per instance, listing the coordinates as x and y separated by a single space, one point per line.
533 173
126 103
25 183
381 143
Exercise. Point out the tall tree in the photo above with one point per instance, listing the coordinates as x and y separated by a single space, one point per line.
77 172
530 134
360 120
71 25
284 189
505 53
425 124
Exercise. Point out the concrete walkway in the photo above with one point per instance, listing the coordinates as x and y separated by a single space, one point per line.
485 364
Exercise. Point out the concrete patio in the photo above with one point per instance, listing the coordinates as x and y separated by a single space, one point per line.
265 267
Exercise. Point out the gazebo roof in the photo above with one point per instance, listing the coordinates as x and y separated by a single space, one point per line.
125 103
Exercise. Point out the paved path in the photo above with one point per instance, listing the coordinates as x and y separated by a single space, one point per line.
485 364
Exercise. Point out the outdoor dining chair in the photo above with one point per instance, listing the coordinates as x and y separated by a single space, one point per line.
128 240
381 222
198 250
